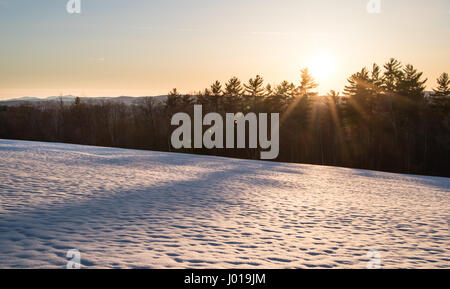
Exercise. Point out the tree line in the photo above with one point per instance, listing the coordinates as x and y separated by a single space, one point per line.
381 121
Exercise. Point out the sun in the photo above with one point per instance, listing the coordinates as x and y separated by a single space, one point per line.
322 66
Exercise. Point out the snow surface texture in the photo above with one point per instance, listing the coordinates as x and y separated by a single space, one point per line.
139 209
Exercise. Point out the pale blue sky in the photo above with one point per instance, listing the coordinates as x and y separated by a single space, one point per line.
142 47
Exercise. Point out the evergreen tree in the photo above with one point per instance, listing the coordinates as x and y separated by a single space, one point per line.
441 99
233 87
268 90
307 83
411 85
358 85
359 93
443 88
255 91
376 79
204 98
392 75
216 94
173 99
216 88
77 101
233 94
283 95
333 98
186 101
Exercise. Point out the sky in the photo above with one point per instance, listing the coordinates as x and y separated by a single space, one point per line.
143 48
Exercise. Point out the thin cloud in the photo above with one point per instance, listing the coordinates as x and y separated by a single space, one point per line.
164 29
270 33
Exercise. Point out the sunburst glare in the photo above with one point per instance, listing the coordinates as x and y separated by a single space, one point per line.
322 66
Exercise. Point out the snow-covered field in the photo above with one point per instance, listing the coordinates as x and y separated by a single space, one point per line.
134 209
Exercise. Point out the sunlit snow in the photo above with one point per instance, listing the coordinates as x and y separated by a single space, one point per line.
140 209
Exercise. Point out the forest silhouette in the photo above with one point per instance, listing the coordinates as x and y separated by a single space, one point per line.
383 120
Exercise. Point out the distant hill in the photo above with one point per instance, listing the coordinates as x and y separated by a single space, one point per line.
122 99
71 98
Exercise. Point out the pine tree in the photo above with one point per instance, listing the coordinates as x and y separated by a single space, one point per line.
277 99
411 86
204 98
216 94
359 85
307 83
441 99
216 88
186 101
268 90
443 88
255 91
233 94
77 100
233 87
392 75
358 94
297 118
376 79
333 98
173 99
286 92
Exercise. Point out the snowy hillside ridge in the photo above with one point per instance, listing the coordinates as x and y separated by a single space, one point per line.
139 209
69 99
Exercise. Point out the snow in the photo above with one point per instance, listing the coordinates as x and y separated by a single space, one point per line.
140 209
